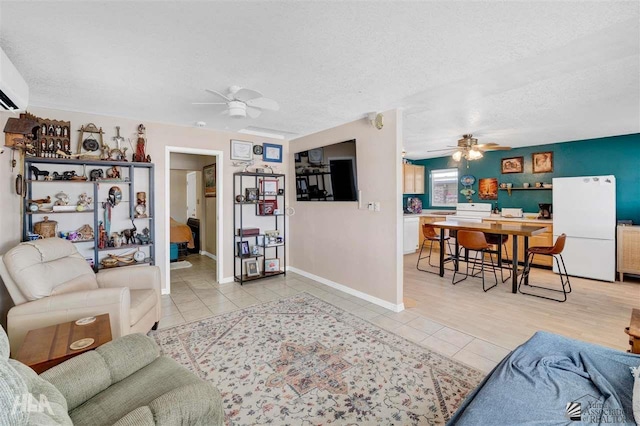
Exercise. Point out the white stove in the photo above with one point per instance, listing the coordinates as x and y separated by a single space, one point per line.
471 212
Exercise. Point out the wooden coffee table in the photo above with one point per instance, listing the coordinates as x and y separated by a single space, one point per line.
49 346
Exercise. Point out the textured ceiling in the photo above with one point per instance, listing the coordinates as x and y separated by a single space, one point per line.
516 73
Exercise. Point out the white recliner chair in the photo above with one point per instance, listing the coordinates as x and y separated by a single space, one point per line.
51 283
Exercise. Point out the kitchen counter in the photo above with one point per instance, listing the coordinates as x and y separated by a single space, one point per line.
442 214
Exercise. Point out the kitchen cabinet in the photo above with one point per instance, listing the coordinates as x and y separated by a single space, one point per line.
413 179
544 239
410 240
628 250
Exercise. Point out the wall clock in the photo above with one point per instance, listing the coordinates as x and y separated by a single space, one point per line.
257 149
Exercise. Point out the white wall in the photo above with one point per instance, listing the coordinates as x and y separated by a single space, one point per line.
159 136
178 188
338 241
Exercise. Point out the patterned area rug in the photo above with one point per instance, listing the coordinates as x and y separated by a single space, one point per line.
301 360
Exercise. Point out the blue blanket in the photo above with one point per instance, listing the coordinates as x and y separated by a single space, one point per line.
553 380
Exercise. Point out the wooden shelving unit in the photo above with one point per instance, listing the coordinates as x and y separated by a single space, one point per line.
524 189
93 188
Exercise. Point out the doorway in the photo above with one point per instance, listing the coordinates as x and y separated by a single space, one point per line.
193 219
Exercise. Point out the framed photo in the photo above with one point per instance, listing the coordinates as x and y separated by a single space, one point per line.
251 195
272 152
272 265
315 156
241 150
243 248
488 189
209 178
267 207
269 186
512 165
251 268
542 162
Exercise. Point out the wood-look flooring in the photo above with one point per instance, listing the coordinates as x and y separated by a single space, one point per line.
595 311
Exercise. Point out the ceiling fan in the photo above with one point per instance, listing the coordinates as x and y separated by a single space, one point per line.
242 102
469 148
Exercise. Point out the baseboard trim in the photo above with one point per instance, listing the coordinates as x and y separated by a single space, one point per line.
206 253
226 280
364 296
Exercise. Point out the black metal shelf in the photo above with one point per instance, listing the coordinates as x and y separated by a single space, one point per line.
243 219
245 278
76 162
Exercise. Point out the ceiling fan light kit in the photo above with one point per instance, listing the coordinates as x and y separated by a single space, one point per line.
241 102
469 149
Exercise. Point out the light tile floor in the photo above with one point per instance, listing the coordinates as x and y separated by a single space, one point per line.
196 295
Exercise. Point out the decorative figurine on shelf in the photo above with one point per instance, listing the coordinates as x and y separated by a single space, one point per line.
145 237
141 206
83 202
62 199
117 239
102 236
115 196
96 174
113 172
85 232
37 172
141 145
129 235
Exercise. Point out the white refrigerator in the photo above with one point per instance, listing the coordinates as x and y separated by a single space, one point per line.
584 208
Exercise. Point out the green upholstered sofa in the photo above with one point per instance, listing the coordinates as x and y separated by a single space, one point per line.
124 382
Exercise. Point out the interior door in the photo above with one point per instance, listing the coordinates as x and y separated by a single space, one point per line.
192 196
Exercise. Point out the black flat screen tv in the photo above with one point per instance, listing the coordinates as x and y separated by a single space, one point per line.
327 173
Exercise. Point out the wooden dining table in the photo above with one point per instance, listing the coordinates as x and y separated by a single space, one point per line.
513 229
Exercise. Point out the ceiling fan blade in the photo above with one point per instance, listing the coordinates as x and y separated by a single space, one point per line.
495 148
483 145
245 95
213 92
445 149
208 103
263 103
253 112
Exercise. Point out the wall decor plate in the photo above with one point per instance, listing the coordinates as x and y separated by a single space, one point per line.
257 149
468 180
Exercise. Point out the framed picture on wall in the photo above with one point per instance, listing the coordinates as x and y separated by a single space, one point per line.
542 162
209 179
241 150
488 189
269 186
272 152
512 165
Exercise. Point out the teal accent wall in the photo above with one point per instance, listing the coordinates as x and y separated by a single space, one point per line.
616 155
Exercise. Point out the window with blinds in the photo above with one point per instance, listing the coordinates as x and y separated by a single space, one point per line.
444 187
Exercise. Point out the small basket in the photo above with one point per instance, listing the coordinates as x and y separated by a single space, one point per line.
47 228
